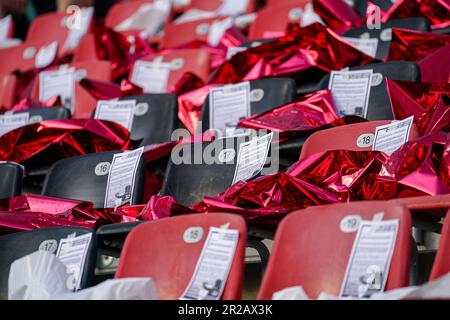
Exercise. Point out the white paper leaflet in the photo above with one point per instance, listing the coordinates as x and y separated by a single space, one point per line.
46 55
58 83
82 21
351 91
121 177
370 259
152 77
234 50
368 46
121 112
72 252
227 106
213 266
5 25
218 29
150 18
232 7
391 137
9 122
252 157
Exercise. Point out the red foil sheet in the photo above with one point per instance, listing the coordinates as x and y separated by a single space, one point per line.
316 110
338 15
436 11
311 48
52 140
409 45
436 66
428 102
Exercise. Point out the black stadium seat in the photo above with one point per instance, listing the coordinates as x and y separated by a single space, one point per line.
275 92
37 115
75 178
379 104
384 33
379 107
155 118
18 245
11 175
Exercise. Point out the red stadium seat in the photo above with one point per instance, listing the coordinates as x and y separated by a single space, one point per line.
21 57
7 90
213 5
436 206
441 265
51 27
85 103
122 11
310 250
178 34
196 61
325 140
157 250
86 50
272 21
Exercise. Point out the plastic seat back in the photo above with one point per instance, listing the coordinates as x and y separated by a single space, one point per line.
310 250
441 265
196 61
8 84
350 138
379 107
37 115
178 34
76 178
157 250
18 245
11 175
265 94
213 5
384 34
190 178
155 118
121 11
273 21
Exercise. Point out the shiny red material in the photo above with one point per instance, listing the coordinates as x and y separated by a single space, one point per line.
436 11
427 101
315 111
52 140
338 15
409 45
313 48
436 66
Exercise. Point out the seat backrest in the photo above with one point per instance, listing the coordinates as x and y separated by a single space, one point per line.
155 118
268 94
379 107
196 61
21 57
384 34
76 178
350 138
8 84
18 245
84 102
178 34
189 182
441 265
11 175
157 250
436 206
275 19
310 250
37 115
49 27
121 11
213 5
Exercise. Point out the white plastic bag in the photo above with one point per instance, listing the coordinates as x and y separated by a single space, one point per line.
42 276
